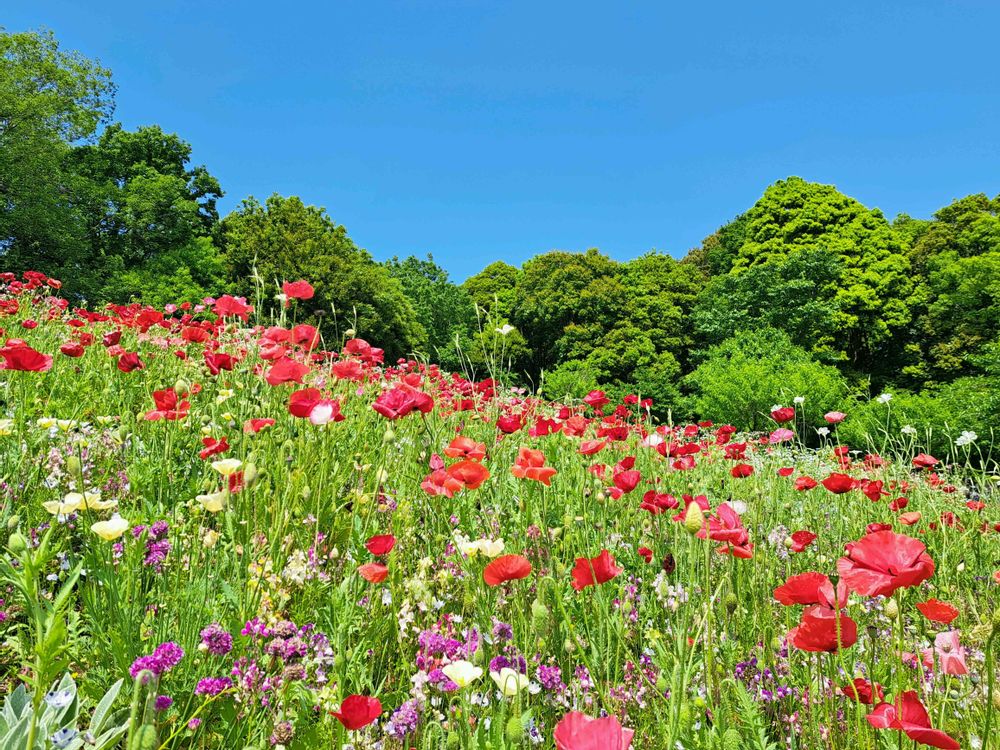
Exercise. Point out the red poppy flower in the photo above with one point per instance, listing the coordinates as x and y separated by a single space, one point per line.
817 631
256 425
783 414
381 544
909 716
834 417
911 518
576 731
596 399
228 305
129 361
301 403
840 483
286 370
924 461
786 471
72 349
873 489
646 554
863 691
358 711
880 563
938 611
440 482
590 447
530 464
373 572
810 588
463 447
595 570
216 362
801 540
168 406
725 526
626 481
297 290
348 369
506 568
805 483
212 447
741 471
470 473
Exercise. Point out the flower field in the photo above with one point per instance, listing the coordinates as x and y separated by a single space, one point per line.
223 531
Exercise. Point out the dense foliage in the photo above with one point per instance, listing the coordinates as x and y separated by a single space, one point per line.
220 529
908 306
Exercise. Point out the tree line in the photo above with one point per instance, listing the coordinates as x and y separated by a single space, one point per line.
807 293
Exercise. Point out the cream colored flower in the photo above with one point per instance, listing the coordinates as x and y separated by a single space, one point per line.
213 502
111 529
491 548
509 681
227 466
6 427
462 673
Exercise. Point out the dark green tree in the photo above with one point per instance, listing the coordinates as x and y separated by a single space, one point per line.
286 240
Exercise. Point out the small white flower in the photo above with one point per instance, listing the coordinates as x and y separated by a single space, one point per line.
885 398
823 431
506 329
967 437
776 407
908 429
799 400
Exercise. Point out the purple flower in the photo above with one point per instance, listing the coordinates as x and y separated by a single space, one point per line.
163 702
550 678
166 656
212 685
404 720
216 640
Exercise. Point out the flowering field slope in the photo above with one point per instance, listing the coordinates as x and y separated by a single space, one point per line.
221 533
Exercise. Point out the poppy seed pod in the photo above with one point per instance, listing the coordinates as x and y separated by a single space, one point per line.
731 602
694 518
17 543
74 467
891 609
514 729
181 386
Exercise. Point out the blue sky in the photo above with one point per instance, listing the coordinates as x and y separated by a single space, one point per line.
478 131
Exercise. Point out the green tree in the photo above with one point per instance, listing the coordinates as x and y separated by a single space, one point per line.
286 240
50 100
444 310
494 289
744 376
872 299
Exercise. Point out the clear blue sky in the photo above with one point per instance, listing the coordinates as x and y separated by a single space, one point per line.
492 130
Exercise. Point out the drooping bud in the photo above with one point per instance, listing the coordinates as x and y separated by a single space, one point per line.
694 518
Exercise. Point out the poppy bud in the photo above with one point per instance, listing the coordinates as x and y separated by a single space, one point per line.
350 333
669 565
601 497
181 387
338 662
662 684
694 518
568 646
776 644
891 609
306 492
454 741
389 436
514 729
731 602
250 474
789 542
17 544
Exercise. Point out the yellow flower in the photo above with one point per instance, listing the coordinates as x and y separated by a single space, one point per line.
462 673
491 548
91 499
227 466
210 538
67 505
213 502
6 427
111 529
46 422
509 681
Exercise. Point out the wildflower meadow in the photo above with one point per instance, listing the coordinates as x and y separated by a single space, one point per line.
222 530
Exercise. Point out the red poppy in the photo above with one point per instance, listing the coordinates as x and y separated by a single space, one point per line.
873 489
440 482
938 611
817 631
216 362
401 400
168 406
228 305
805 483
626 481
801 540
863 691
834 417
783 414
786 471
470 473
358 711
646 554
741 471
297 290
880 563
506 568
594 570
72 349
286 370
911 518
463 447
212 447
725 526
596 399
838 484
381 544
577 731
909 716
129 361
348 369
373 572
810 588
301 403
256 425
590 447
530 464
924 461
